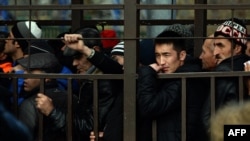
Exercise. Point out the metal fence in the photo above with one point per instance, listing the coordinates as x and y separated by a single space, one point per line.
128 120
132 24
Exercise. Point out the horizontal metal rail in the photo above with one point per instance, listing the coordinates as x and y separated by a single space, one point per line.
67 76
121 76
137 38
121 22
121 6
183 76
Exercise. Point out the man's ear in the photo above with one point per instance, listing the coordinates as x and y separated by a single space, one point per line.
182 55
237 49
16 43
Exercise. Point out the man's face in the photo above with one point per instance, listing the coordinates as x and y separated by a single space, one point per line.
248 48
81 63
222 49
168 58
207 57
10 45
31 83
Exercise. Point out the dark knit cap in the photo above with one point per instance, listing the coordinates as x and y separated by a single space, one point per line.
43 61
118 49
38 46
180 29
26 29
184 31
233 28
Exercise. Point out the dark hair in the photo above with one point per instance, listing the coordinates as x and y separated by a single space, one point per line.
57 44
2 41
90 33
171 37
91 37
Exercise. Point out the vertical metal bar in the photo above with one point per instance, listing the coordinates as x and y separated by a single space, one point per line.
212 99
154 130
200 26
183 109
15 95
212 95
77 16
241 89
30 18
95 110
40 116
69 110
232 44
131 29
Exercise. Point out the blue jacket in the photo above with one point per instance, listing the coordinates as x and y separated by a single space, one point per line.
62 82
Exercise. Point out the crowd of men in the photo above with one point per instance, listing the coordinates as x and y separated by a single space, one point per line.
82 52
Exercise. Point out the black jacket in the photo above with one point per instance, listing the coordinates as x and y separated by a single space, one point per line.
113 130
106 64
226 89
29 114
161 100
83 109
